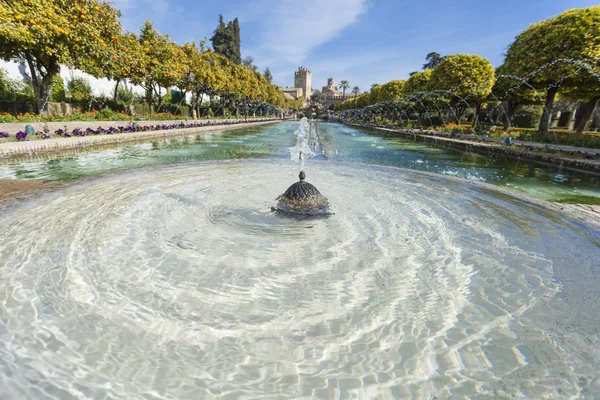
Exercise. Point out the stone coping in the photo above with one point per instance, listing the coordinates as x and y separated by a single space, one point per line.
31 148
14 127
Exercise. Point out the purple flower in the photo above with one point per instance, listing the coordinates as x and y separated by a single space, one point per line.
4 134
21 135
78 132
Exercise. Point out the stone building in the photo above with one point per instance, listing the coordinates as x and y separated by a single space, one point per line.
302 86
332 95
330 89
303 80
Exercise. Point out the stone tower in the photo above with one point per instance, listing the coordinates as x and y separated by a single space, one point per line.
303 80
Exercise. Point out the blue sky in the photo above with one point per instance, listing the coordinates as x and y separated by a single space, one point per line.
364 41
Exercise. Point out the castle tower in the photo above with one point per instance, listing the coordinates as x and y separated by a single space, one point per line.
303 80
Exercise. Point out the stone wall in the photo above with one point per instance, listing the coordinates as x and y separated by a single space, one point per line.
64 108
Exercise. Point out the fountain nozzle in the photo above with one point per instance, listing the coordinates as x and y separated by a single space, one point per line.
303 198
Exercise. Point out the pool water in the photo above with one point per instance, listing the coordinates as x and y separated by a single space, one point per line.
177 281
339 143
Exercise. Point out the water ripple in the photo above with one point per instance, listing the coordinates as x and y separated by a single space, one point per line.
179 282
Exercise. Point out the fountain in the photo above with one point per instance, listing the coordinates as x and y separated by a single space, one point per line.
302 197
177 281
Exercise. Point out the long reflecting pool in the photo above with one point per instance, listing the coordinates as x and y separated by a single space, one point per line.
339 143
178 282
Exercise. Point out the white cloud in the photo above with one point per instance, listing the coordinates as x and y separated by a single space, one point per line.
291 29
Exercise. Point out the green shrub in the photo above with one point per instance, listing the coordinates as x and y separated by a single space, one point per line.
57 89
528 117
79 89
105 114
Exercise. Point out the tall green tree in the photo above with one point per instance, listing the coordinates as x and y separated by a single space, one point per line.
344 84
356 90
220 37
557 54
236 45
268 75
226 40
433 59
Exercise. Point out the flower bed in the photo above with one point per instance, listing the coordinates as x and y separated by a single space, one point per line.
560 137
132 127
102 115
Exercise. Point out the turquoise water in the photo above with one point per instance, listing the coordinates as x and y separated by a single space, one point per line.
339 143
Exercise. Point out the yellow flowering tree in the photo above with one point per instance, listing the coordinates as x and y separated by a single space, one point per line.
46 34
160 64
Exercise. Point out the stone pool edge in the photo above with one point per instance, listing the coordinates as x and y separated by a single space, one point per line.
19 149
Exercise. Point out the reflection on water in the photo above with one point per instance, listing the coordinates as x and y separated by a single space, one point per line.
339 143
178 282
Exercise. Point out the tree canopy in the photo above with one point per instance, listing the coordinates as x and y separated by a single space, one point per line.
48 34
226 40
418 82
433 59
557 54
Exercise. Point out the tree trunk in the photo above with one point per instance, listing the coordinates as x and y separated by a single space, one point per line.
150 99
42 82
590 106
116 89
42 91
512 107
547 114
458 113
476 117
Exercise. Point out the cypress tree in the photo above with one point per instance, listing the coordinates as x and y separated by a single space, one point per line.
219 39
236 44
226 40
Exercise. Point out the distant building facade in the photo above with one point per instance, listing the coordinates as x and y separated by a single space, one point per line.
303 80
330 89
302 86
332 95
